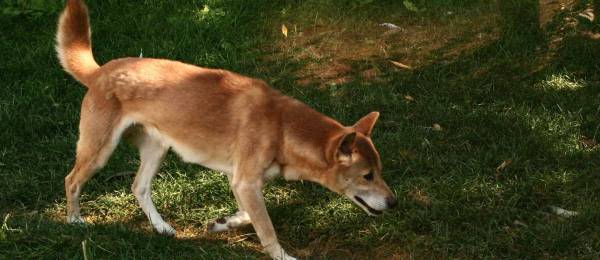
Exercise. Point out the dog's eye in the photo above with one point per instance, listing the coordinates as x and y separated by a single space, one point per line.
369 176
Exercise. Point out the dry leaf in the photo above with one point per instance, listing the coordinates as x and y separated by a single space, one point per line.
369 74
587 14
519 223
437 127
31 213
284 30
563 212
420 197
401 65
390 26
409 98
588 143
501 167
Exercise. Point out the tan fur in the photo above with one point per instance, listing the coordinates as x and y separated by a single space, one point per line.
215 118
73 42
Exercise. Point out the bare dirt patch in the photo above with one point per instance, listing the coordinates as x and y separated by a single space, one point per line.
338 52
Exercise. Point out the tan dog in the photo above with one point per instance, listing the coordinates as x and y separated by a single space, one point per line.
215 118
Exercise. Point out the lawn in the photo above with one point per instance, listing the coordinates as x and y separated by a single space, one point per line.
489 126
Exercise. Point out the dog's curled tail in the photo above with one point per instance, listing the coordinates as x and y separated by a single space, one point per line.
73 42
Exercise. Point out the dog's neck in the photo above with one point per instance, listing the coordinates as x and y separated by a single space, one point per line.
304 139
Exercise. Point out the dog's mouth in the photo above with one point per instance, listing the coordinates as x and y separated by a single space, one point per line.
364 204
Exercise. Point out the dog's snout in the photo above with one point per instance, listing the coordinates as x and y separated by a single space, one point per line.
391 202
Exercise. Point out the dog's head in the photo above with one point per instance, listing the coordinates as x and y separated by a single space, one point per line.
356 168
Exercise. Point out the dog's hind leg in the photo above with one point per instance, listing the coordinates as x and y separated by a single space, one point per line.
152 152
241 218
100 129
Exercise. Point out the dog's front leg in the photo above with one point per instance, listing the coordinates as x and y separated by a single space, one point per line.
250 195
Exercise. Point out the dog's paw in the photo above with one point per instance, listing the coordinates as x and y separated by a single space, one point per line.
288 257
165 229
239 219
218 225
276 252
75 220
284 256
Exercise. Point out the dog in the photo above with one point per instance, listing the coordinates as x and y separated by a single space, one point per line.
216 118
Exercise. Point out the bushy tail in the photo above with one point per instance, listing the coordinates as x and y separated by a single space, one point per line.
73 42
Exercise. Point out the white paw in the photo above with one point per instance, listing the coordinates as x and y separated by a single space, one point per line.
276 252
75 220
218 225
164 229
288 257
283 256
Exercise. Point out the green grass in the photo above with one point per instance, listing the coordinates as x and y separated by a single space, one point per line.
518 96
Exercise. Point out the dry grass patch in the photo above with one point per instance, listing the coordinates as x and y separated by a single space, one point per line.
420 197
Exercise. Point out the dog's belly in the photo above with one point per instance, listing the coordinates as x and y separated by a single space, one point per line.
198 157
193 155
212 159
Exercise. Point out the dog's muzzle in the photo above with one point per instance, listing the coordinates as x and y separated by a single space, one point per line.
371 210
390 202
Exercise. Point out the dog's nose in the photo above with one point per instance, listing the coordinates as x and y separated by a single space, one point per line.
391 202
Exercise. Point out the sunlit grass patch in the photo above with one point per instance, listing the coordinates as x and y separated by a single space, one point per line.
209 15
562 81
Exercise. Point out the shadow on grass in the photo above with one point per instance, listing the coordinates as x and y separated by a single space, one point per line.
129 239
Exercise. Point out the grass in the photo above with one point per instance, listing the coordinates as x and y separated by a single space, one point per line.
498 93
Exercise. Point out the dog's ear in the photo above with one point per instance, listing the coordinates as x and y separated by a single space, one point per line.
365 125
347 144
340 149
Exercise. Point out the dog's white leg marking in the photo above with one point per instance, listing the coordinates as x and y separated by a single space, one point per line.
152 152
